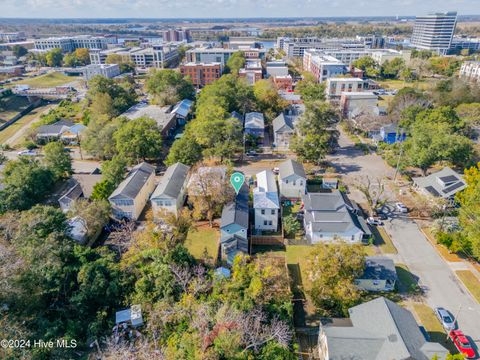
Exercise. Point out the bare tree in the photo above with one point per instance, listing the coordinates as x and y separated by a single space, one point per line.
373 190
122 237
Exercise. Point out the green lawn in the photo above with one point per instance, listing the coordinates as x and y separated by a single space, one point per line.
48 80
433 327
383 240
471 282
11 106
297 257
400 84
203 238
407 283
24 120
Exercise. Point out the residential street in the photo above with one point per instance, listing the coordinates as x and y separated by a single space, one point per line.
442 287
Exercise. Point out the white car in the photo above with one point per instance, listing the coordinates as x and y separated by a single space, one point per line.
401 207
27 153
446 319
276 170
373 221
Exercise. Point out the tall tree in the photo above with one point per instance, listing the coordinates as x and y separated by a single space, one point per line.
169 86
54 58
333 268
58 160
236 62
139 139
310 89
185 150
268 100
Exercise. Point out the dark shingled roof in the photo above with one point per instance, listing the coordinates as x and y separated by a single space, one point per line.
236 212
172 182
134 182
379 268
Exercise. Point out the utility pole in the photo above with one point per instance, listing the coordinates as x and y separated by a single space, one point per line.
455 319
398 163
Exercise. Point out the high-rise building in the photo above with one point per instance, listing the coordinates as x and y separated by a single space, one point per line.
434 32
173 35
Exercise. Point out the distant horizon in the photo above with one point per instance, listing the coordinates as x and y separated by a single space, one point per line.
227 9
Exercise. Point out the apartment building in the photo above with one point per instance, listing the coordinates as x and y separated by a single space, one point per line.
155 55
11 36
470 70
220 55
296 47
174 35
381 56
105 70
464 43
322 66
434 32
276 68
336 86
69 44
202 74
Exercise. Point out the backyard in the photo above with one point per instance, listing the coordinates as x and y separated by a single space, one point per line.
203 238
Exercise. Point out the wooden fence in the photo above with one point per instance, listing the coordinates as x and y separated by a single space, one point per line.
267 240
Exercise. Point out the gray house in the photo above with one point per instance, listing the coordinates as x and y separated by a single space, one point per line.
170 193
379 274
283 130
53 131
255 124
72 191
131 196
234 226
442 184
381 330
331 216
292 179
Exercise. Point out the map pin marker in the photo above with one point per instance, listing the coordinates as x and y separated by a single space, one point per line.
237 179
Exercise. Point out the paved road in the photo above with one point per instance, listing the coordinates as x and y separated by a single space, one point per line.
442 288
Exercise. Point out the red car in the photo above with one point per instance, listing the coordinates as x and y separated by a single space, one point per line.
462 344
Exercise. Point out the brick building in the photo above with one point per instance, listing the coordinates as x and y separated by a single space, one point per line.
202 74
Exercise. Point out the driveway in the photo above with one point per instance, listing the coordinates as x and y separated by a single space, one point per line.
442 287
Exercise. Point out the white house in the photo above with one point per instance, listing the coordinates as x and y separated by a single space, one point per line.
331 216
170 193
265 202
292 179
337 86
131 196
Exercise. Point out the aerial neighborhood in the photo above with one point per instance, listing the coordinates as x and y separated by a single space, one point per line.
222 189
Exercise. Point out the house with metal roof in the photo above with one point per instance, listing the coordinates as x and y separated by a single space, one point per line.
292 179
379 274
265 202
332 216
73 134
234 226
131 196
283 130
165 119
170 193
442 184
238 116
53 131
380 330
182 111
254 124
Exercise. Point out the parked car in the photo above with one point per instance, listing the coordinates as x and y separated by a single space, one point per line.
374 221
462 344
381 215
252 153
27 153
401 207
276 170
447 320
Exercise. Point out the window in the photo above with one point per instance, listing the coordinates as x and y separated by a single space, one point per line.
376 282
123 202
353 237
265 222
286 181
273 211
270 222
262 211
301 182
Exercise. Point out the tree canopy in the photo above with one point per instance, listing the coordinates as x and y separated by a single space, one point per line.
169 86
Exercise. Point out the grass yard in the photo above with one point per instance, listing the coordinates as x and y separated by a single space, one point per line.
429 321
471 282
407 283
426 84
48 80
297 258
442 250
383 240
204 237
11 106
18 125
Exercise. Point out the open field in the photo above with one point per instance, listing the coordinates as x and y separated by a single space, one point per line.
471 282
21 125
49 80
204 237
11 106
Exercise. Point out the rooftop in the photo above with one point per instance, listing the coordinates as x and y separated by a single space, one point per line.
444 183
291 167
172 182
134 182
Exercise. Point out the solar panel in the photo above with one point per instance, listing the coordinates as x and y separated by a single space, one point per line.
449 178
432 191
453 187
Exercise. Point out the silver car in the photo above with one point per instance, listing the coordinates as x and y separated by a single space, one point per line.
446 319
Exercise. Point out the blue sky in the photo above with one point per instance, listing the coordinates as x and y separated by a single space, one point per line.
228 8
